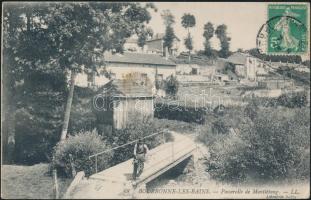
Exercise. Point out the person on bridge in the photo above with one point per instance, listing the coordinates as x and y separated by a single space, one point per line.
140 151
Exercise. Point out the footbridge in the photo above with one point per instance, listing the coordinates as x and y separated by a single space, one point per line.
116 181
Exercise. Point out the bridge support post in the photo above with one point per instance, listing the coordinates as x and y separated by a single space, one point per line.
140 190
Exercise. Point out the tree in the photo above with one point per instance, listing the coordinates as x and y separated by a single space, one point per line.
24 51
208 34
89 30
221 33
169 36
188 21
56 40
168 18
188 43
143 36
240 50
171 85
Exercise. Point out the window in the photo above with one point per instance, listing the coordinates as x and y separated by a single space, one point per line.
91 79
194 71
160 77
143 76
143 79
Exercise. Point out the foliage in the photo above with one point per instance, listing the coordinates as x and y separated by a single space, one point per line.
188 42
169 37
251 110
171 85
52 39
80 147
168 18
298 76
143 36
208 34
221 33
82 118
138 127
275 58
178 112
188 20
290 100
274 146
38 117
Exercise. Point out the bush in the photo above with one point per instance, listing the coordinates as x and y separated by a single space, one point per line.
81 146
82 117
294 100
181 113
275 146
136 129
171 85
38 115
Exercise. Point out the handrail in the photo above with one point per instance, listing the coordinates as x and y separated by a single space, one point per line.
117 147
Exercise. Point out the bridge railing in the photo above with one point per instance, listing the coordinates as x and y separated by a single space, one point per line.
163 132
173 152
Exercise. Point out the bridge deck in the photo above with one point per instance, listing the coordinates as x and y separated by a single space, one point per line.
115 179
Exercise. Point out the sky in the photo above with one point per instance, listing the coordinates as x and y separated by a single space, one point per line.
243 21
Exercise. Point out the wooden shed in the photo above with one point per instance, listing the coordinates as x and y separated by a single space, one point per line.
119 101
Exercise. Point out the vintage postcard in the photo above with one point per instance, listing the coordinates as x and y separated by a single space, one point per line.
155 100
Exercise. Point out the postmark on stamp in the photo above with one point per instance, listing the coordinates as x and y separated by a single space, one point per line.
285 31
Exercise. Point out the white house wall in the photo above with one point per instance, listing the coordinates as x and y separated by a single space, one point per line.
81 80
166 71
122 69
125 107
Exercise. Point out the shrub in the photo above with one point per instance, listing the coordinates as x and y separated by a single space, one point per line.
171 85
136 129
291 100
275 145
181 113
82 117
38 115
81 146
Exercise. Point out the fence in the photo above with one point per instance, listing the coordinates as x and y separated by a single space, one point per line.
163 132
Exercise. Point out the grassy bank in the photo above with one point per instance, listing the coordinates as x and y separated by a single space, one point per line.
29 182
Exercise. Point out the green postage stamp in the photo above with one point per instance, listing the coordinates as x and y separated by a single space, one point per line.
287 31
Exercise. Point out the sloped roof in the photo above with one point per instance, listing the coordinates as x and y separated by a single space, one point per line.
127 88
137 58
238 58
131 40
160 36
195 59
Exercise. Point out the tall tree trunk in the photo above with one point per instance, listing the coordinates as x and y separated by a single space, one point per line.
68 106
189 58
10 145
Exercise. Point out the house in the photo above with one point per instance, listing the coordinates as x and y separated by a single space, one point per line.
141 66
131 45
119 101
156 45
247 66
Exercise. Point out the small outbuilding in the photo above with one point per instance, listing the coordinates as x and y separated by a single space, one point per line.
120 101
